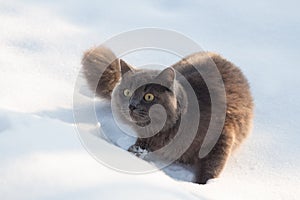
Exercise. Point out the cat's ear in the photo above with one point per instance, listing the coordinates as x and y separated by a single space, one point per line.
125 67
166 77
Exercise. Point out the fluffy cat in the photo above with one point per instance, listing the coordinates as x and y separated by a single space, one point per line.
133 100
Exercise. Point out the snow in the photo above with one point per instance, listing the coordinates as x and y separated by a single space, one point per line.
41 155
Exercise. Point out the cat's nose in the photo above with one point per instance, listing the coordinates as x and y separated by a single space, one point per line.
133 104
132 107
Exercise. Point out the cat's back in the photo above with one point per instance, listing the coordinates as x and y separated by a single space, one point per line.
239 102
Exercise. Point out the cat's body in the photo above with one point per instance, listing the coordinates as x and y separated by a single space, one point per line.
171 95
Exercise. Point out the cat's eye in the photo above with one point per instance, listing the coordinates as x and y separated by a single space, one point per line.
149 97
127 93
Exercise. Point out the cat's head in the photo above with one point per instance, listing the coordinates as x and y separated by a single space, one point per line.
140 90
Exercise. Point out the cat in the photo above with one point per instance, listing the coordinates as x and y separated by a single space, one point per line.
124 84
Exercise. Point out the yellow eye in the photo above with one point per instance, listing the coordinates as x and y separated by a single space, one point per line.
149 97
127 93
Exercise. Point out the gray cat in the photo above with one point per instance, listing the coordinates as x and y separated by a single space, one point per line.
136 91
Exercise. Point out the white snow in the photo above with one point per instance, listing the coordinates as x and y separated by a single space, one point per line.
42 42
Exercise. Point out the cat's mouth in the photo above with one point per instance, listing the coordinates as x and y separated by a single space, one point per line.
143 124
140 119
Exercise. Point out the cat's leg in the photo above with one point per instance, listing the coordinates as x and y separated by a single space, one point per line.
211 166
139 148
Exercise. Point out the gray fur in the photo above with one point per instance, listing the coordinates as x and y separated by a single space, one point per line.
171 95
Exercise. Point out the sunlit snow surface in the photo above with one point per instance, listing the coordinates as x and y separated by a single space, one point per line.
41 156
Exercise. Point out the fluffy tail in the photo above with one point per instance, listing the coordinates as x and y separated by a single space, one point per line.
101 69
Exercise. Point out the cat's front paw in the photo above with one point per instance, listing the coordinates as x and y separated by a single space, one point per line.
138 151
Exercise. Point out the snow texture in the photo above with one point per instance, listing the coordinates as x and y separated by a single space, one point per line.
42 42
